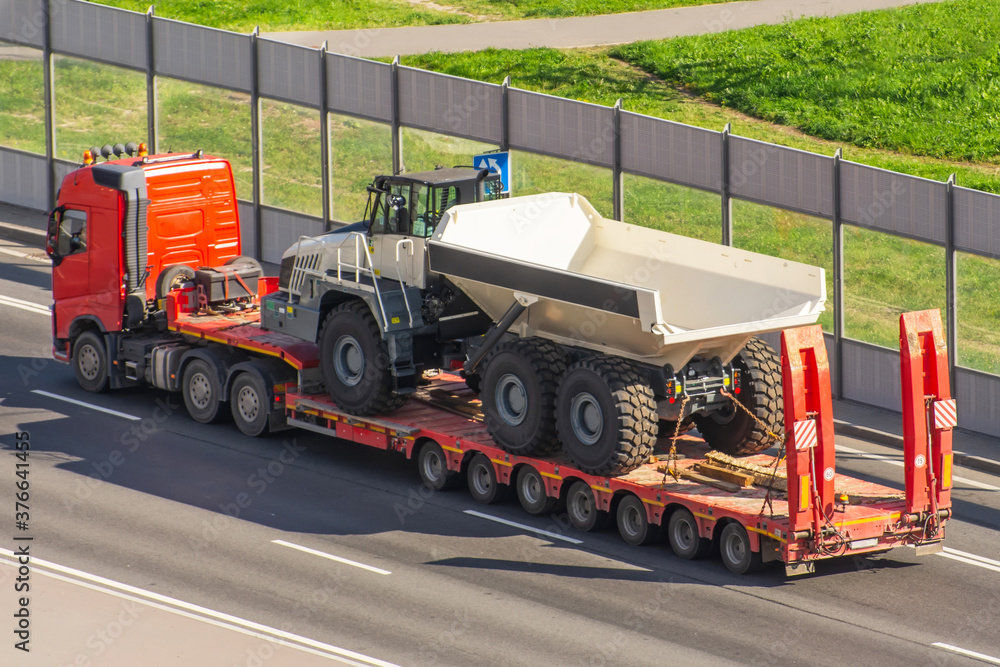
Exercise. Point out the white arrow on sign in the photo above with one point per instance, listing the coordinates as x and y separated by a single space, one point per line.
493 166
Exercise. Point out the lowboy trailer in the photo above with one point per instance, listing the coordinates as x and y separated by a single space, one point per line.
794 507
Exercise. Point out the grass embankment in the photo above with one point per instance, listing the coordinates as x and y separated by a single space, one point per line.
280 15
885 275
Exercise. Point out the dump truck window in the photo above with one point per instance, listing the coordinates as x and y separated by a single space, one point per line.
398 220
72 233
423 219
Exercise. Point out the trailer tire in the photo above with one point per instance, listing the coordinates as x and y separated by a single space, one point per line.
581 506
734 432
682 532
606 416
171 277
519 395
531 492
90 362
243 259
483 483
354 362
734 547
202 392
433 467
249 403
633 522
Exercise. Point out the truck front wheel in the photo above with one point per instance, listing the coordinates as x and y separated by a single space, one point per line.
355 363
519 395
732 430
90 362
606 416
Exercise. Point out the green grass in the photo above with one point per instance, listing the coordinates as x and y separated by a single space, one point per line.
280 15
920 79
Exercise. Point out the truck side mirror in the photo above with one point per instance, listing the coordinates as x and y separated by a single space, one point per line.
52 235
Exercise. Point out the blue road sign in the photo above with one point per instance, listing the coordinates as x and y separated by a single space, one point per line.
498 162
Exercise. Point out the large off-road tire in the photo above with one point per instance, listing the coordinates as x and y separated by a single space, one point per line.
355 363
606 415
519 395
90 361
732 430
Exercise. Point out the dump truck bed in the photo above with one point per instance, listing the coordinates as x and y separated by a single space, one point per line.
626 290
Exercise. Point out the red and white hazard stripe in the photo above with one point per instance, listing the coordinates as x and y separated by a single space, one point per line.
804 431
945 413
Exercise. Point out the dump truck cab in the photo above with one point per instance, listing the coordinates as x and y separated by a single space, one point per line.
122 227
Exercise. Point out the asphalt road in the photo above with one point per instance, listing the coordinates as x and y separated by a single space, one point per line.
297 548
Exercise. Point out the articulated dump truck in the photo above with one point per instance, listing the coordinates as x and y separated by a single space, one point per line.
577 331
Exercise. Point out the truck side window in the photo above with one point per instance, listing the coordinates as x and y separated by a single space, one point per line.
72 233
398 220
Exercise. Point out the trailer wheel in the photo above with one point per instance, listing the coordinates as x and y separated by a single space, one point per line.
732 431
633 523
172 277
682 531
581 506
90 362
531 492
519 395
355 363
606 416
433 467
249 404
483 484
202 392
734 547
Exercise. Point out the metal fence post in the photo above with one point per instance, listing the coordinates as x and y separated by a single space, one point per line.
505 114
397 135
48 77
727 204
256 145
326 171
618 182
151 126
951 281
838 282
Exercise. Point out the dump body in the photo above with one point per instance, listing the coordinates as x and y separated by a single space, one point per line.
626 290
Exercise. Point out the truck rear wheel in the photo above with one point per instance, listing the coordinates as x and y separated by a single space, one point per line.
249 404
202 392
682 531
733 431
531 492
519 395
581 506
483 483
606 416
90 362
734 547
633 522
355 363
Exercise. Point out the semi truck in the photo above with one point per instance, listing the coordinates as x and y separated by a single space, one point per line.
150 288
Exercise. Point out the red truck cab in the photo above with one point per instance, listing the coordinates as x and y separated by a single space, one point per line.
123 230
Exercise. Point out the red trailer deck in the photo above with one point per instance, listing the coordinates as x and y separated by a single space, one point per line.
798 511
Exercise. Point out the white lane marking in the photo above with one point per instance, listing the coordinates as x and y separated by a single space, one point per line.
969 561
895 462
322 554
539 531
109 411
966 652
24 255
966 554
204 614
25 305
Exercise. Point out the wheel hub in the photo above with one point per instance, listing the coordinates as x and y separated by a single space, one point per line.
512 399
89 362
734 549
349 360
586 418
532 492
481 479
248 404
432 467
200 390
